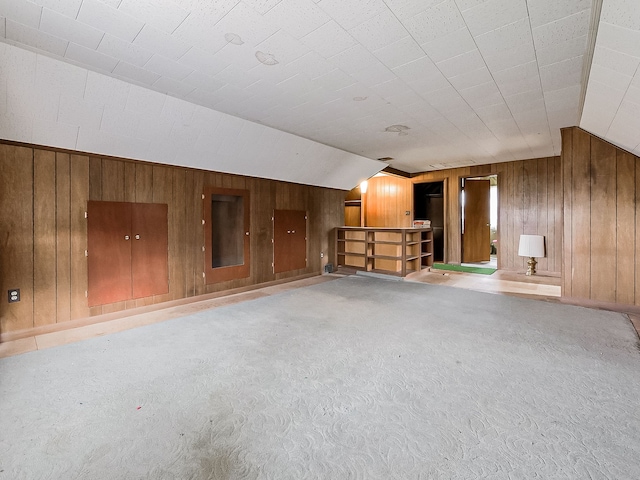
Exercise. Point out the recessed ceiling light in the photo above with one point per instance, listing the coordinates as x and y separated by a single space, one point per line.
359 99
266 58
233 38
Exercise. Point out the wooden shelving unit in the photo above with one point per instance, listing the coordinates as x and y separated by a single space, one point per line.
395 251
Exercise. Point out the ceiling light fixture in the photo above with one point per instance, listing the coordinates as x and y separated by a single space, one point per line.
233 38
266 58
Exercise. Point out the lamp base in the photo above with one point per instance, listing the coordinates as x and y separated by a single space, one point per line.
532 266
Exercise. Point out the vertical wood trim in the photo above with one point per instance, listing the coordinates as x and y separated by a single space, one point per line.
625 227
79 198
63 237
44 234
95 178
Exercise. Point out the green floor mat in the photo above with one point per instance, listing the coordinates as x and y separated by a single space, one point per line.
460 268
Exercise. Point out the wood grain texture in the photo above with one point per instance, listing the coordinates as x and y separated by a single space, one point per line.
16 236
44 235
567 201
603 221
625 227
63 237
581 215
79 199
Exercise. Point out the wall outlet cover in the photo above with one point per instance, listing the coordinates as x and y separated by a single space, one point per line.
14 295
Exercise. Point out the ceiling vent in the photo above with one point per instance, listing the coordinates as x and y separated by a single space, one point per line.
386 159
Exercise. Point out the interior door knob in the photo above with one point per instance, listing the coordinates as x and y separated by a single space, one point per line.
246 233
126 237
288 231
293 231
137 237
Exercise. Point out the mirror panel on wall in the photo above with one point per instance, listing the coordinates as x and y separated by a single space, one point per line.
226 222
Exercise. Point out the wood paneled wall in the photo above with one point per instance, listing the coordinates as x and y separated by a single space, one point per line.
386 201
602 220
529 202
43 230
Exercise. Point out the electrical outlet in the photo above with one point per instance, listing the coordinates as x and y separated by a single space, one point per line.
14 295
321 254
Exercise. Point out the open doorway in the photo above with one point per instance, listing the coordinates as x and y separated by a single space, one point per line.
428 204
480 221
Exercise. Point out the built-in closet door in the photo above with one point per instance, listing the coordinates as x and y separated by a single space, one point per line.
109 252
149 249
127 251
289 240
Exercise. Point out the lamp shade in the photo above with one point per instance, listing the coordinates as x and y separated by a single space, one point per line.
531 246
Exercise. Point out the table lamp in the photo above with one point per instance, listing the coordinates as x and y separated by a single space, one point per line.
531 246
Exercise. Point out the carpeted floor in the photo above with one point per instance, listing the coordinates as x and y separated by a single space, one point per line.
357 378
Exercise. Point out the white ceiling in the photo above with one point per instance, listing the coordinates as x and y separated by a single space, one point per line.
476 81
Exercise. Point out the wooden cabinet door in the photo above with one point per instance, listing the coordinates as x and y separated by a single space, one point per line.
298 255
149 249
289 240
109 252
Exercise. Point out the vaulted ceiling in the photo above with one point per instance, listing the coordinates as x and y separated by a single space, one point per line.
224 84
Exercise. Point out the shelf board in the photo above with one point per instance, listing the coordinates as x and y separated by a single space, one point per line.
354 240
350 254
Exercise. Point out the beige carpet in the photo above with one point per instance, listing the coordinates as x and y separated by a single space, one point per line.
357 378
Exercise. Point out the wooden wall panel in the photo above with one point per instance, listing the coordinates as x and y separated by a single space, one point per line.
601 187
581 217
79 197
63 236
567 224
44 235
53 200
16 236
542 213
625 227
386 201
603 221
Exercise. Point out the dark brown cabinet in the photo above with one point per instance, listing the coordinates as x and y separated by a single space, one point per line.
289 240
127 251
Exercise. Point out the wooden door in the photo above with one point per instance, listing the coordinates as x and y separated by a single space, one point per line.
109 252
289 240
476 240
149 249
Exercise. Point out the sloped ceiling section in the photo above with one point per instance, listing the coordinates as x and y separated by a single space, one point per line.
612 104
472 81
49 102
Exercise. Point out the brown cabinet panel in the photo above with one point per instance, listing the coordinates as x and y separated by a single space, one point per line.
109 261
289 240
128 251
149 249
